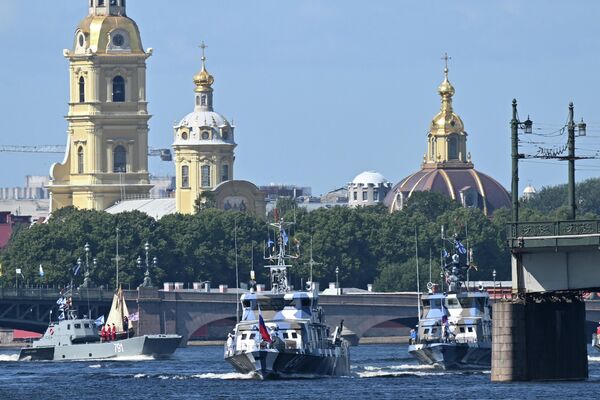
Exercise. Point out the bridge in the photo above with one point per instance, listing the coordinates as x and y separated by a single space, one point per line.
186 311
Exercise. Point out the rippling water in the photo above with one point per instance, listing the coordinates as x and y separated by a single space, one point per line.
379 371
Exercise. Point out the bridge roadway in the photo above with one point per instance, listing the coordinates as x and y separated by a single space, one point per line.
186 311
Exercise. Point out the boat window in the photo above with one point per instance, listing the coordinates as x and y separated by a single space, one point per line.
285 335
435 303
470 329
253 336
426 330
246 303
86 326
77 326
294 335
425 302
68 326
305 302
244 336
462 329
466 302
273 304
433 330
480 303
451 302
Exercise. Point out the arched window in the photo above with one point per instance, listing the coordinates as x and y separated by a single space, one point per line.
118 94
203 100
113 2
453 148
81 90
80 160
205 173
100 3
119 159
197 100
224 173
185 176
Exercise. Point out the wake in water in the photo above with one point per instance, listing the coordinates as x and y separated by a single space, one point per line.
9 357
594 358
209 375
409 370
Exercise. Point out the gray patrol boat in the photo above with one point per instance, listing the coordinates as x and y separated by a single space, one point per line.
455 327
282 333
73 338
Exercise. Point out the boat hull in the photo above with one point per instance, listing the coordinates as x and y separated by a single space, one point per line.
274 364
158 346
453 355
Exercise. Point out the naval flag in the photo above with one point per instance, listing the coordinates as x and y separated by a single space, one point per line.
264 332
99 321
460 247
134 316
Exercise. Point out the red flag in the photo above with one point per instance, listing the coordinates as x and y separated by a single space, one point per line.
276 214
264 332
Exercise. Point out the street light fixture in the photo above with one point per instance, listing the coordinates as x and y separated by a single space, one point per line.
147 281
494 276
87 283
337 279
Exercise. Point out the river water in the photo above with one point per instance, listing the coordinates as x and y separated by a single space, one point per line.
379 372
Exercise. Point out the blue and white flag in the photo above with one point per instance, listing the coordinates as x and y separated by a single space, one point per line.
61 301
99 321
270 243
76 269
284 237
41 271
61 316
444 253
460 247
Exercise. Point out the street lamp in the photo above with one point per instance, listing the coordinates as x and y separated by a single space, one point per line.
515 125
147 281
337 279
86 277
494 277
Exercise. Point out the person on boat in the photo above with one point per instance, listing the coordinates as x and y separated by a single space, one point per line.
126 324
413 336
452 331
103 334
114 332
598 329
229 343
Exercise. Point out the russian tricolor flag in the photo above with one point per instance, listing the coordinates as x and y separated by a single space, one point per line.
264 332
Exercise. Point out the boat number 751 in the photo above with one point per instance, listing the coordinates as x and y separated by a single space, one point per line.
118 347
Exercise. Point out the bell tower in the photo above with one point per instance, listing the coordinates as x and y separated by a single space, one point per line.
107 137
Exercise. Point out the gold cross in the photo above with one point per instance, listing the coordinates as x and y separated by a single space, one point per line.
203 46
446 58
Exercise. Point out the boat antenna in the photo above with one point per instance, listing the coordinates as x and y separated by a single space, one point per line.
237 276
468 261
312 262
117 258
417 262
429 264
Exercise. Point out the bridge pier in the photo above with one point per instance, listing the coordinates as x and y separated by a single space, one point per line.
542 338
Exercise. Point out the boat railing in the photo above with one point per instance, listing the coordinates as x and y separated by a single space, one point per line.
459 340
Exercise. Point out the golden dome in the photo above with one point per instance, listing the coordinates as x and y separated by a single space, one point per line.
203 79
446 88
446 121
99 31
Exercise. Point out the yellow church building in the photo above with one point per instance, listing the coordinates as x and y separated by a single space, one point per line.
106 160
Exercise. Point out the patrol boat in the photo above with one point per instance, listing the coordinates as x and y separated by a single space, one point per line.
455 327
73 338
282 333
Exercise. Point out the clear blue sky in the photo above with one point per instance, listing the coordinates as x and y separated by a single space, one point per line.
321 90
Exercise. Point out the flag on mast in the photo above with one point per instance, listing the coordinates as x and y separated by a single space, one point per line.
264 332
41 271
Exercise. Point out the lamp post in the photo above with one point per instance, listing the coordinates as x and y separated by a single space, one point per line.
337 279
494 277
581 130
86 277
515 125
147 281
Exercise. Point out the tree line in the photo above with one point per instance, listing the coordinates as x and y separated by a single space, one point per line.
368 245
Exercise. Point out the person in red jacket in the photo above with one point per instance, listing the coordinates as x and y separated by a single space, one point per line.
598 329
114 332
103 334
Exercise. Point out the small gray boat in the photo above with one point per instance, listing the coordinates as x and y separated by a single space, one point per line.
73 338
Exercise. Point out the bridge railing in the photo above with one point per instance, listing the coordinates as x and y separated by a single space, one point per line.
553 228
54 294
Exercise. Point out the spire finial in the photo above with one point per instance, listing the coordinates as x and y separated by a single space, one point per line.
203 47
445 57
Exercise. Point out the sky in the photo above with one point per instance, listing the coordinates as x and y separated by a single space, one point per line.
320 90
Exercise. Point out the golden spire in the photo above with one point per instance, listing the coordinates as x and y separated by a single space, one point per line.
446 90
203 79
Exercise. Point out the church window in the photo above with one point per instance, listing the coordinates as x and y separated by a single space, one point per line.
375 195
91 3
118 89
184 135
453 148
205 135
225 135
203 100
119 159
205 175
365 195
197 100
100 3
81 90
355 195
224 173
113 2
185 176
80 160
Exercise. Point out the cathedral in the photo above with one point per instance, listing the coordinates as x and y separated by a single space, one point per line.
106 161
447 166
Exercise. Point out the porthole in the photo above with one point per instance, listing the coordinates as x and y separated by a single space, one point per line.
90 354
205 135
184 135
81 40
63 356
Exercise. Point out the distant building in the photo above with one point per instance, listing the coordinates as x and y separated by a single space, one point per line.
8 221
367 189
162 187
529 192
274 191
34 189
336 196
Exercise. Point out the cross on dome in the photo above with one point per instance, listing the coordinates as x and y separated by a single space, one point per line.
446 57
